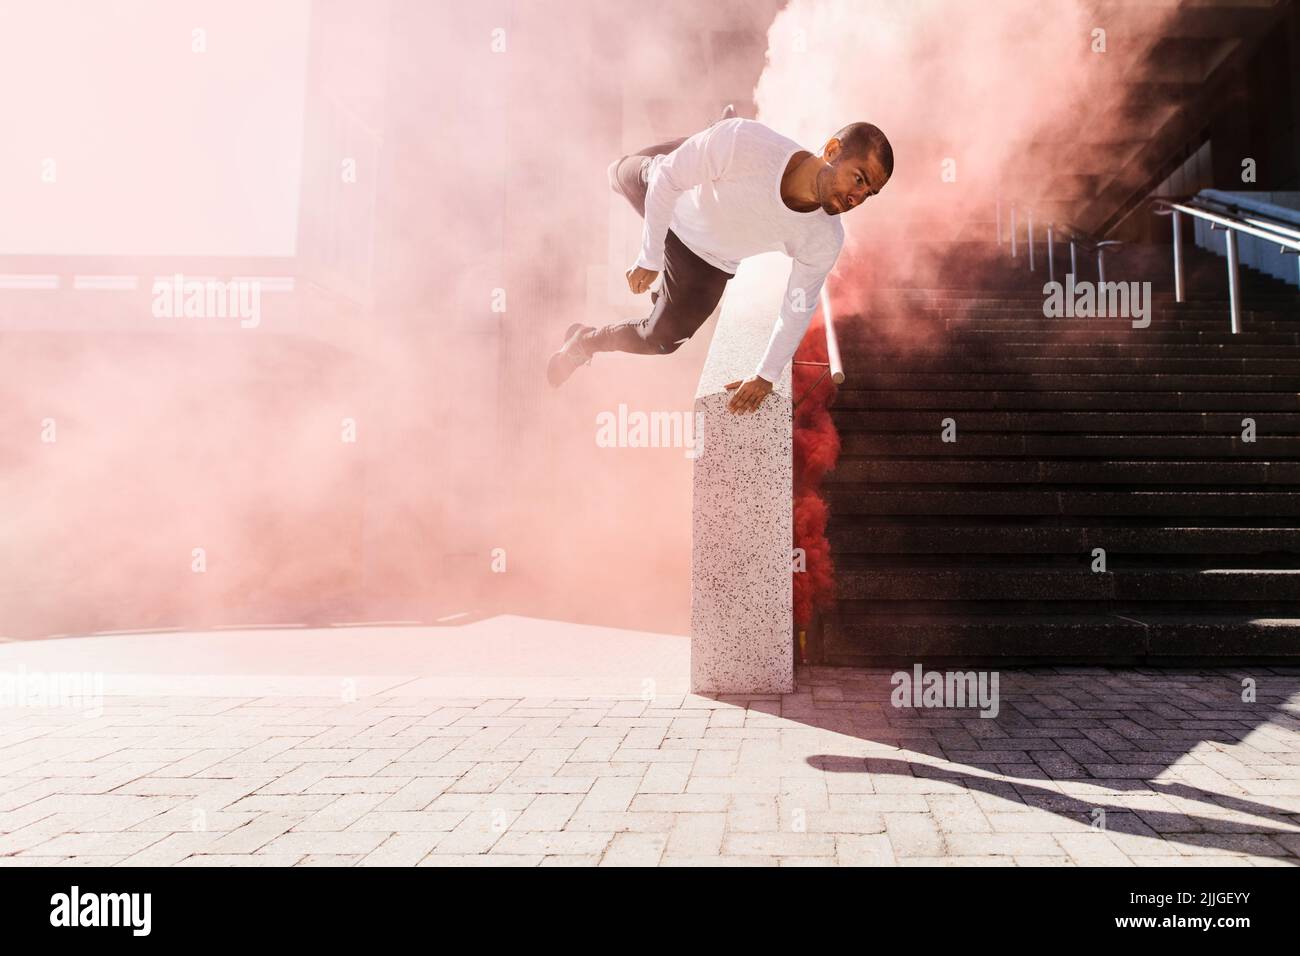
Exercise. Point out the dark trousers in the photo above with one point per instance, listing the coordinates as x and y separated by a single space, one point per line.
691 287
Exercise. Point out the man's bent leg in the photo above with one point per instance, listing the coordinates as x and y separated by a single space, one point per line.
691 291
625 179
660 149
625 173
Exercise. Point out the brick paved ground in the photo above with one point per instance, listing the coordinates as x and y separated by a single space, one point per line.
1184 771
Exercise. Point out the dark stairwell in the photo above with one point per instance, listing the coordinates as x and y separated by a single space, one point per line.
1071 434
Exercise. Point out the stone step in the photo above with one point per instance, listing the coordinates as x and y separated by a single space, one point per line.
1125 423
1094 382
1035 299
1018 400
1018 583
1047 347
1035 472
969 640
991 362
1194 300
879 354
1048 338
1190 448
849 537
1051 330
1032 285
967 319
1037 322
864 499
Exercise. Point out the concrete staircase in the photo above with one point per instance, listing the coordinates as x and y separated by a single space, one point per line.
1071 435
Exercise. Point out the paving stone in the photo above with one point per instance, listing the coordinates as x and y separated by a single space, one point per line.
830 775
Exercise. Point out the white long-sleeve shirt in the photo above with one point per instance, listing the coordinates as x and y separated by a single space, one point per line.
720 192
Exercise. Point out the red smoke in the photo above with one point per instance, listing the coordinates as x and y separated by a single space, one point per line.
816 449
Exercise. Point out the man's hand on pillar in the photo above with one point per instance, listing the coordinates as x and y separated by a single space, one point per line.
749 394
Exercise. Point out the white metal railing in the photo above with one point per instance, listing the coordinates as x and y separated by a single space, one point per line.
1230 222
833 365
832 343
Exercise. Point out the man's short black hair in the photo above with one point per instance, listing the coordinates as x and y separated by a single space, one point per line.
863 139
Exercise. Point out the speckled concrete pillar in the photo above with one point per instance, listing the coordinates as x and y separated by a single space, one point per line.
742 595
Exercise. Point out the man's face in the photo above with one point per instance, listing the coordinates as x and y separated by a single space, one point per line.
848 180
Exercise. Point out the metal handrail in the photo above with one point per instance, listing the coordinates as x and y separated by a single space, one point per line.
1076 237
832 343
1085 239
1226 217
833 365
1244 214
1260 228
1287 240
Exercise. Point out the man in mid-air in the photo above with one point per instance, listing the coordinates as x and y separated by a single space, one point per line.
732 191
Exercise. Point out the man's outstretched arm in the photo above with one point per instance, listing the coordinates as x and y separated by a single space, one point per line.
801 296
703 157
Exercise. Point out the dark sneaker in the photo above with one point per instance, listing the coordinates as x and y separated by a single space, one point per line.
571 354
